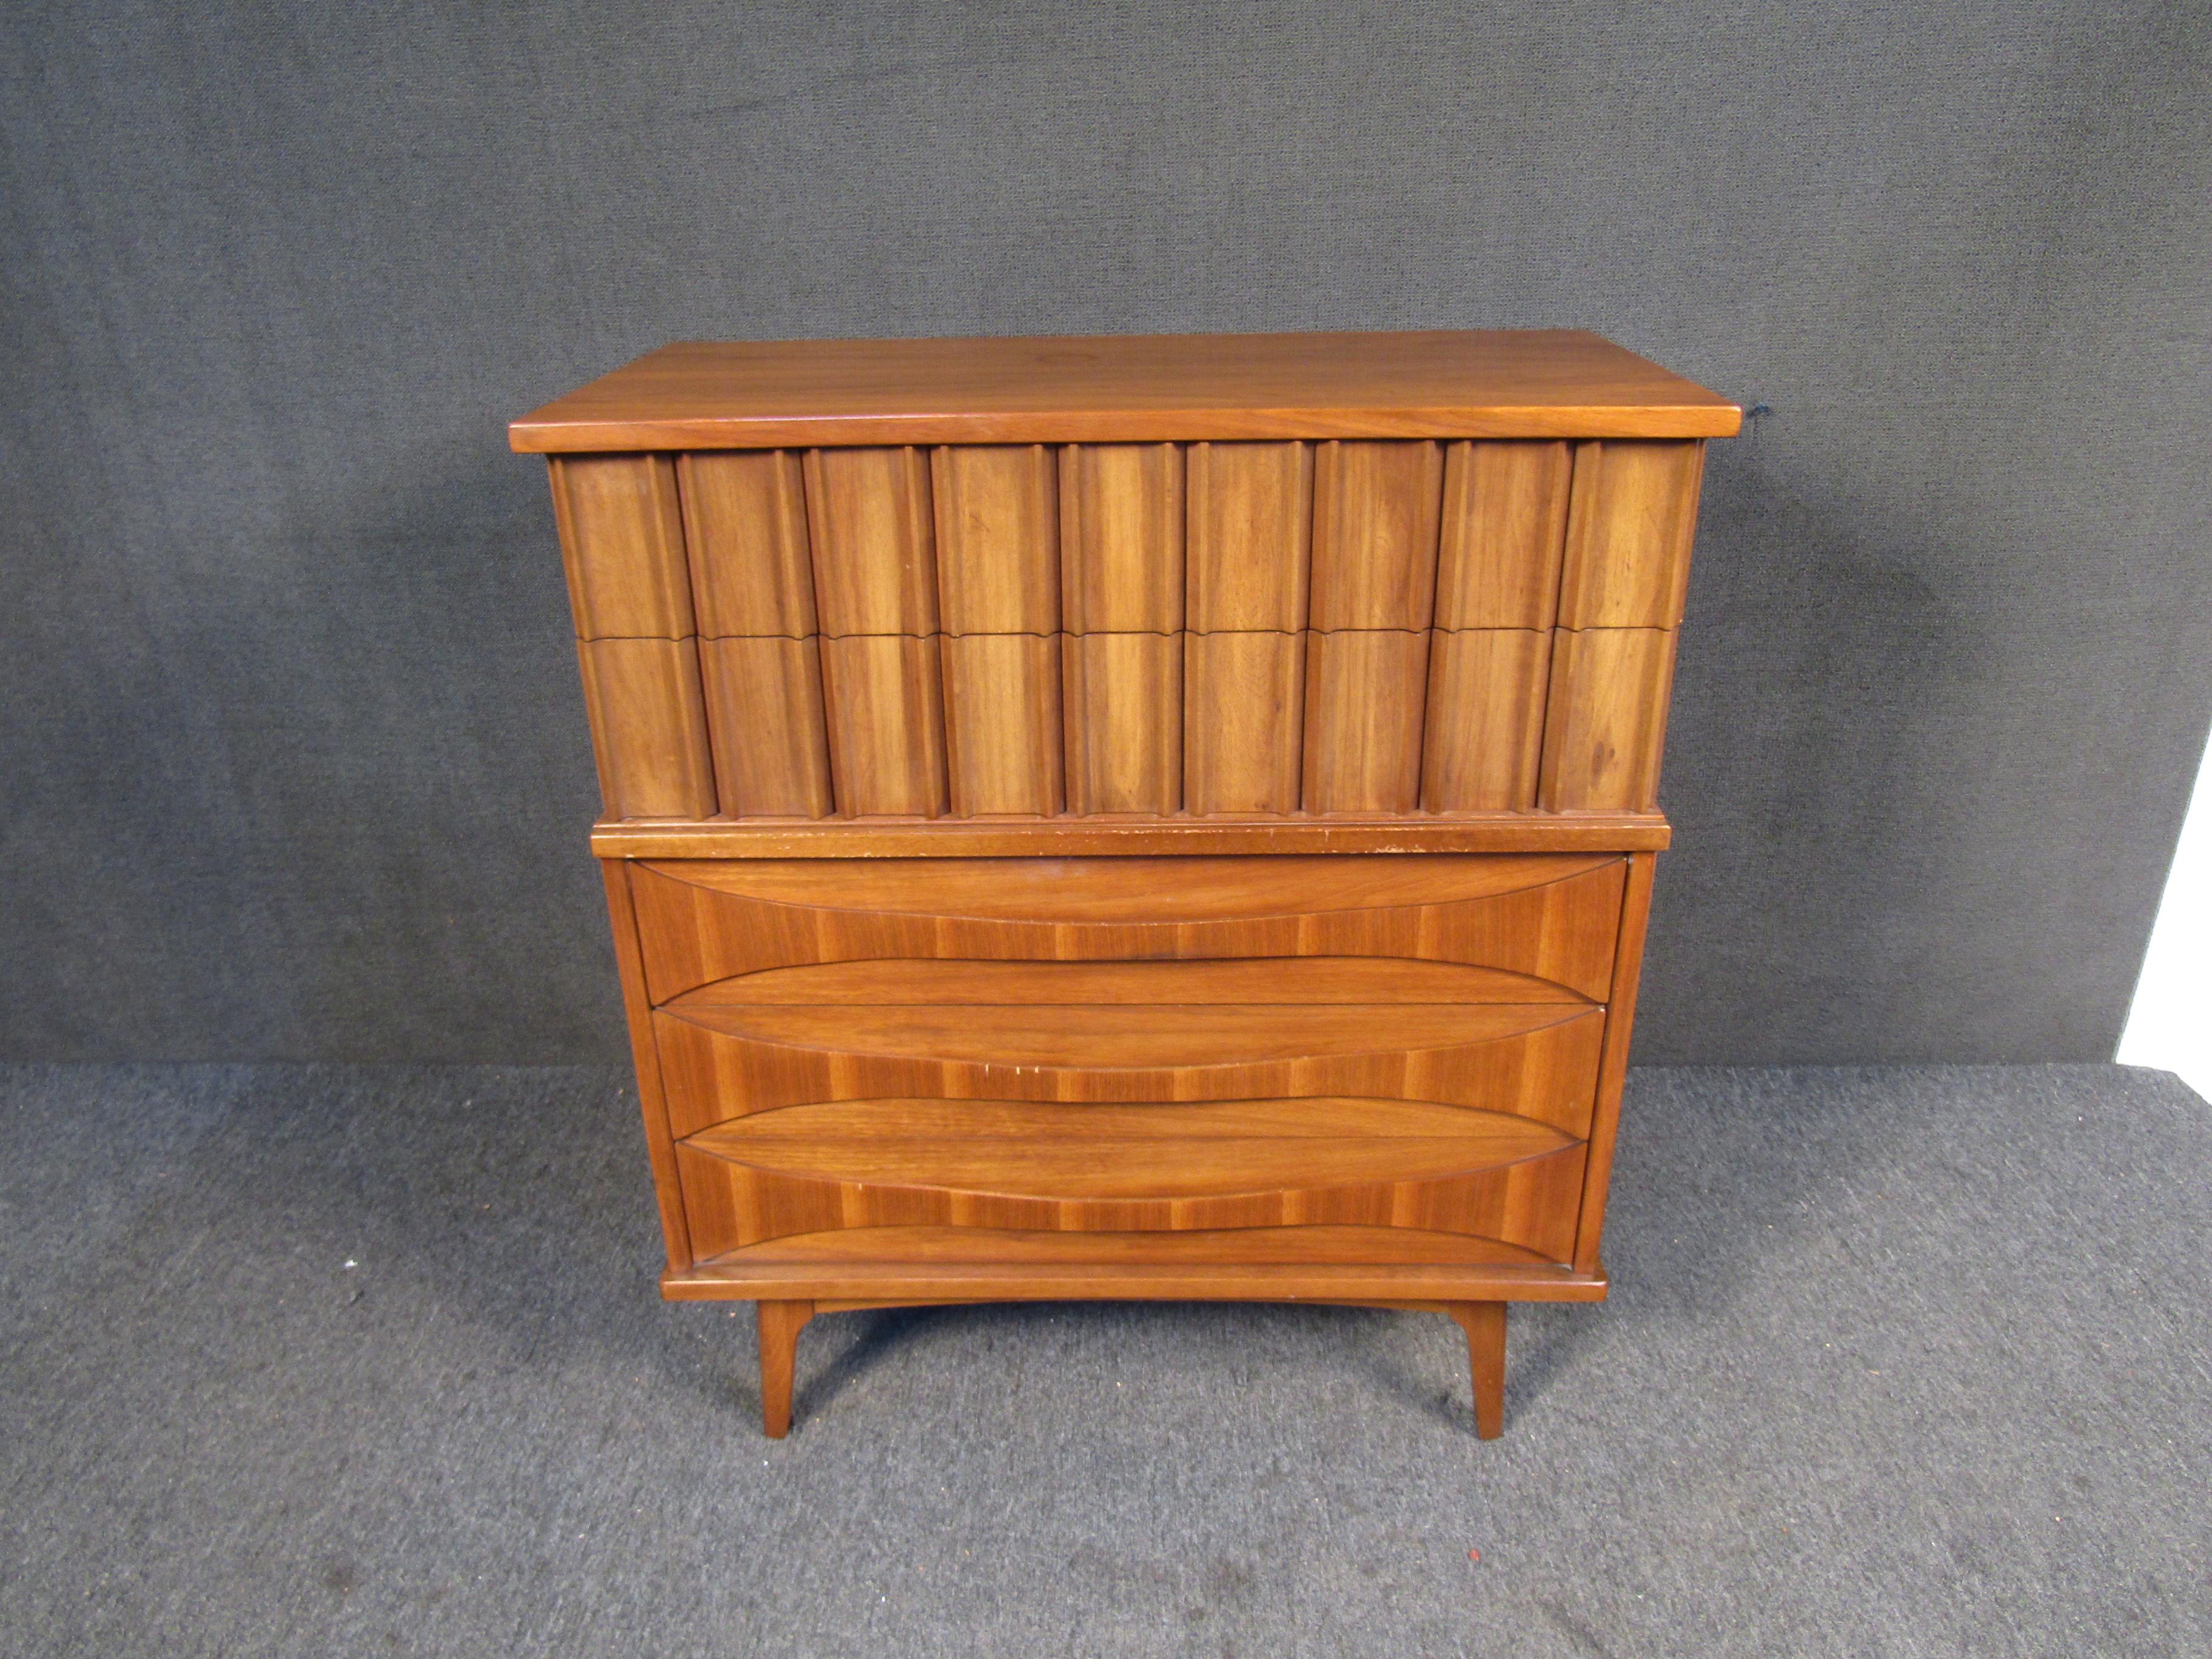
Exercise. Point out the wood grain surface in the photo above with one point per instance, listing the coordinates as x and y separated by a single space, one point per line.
1552 918
744 527
997 539
1121 538
1536 383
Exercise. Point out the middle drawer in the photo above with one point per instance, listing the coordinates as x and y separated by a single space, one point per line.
1460 980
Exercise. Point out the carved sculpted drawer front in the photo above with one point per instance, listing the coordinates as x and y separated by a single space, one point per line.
1132 1044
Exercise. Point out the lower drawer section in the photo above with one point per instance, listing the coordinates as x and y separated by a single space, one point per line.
1215 1164
1273 1054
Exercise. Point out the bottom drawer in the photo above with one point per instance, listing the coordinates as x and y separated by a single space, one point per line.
1166 1167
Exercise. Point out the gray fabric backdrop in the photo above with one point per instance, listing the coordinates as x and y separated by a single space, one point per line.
294 760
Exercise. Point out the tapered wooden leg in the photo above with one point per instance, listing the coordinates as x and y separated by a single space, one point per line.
1485 1325
780 1324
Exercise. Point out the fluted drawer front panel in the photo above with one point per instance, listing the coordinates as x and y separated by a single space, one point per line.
1376 628
1550 919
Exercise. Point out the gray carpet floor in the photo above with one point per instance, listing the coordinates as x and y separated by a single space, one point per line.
324 1361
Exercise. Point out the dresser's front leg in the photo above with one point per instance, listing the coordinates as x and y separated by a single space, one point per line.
1485 1325
780 1324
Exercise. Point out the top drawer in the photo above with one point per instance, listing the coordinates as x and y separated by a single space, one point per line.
1529 922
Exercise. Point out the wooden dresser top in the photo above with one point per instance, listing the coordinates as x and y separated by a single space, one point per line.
1532 383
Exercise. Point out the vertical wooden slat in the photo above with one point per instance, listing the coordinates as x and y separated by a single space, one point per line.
744 526
648 726
1376 509
997 539
1629 528
622 538
1504 529
870 519
1364 692
1121 538
1002 723
883 697
1243 721
1605 724
765 722
1251 537
1123 700
1483 735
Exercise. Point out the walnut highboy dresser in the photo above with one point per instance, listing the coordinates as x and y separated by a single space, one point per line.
1130 817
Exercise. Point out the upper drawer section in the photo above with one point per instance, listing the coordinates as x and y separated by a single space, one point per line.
1128 538
1396 628
1541 920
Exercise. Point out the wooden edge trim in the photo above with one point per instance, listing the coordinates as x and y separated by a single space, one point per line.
637 1010
915 1284
1076 837
553 435
1613 1063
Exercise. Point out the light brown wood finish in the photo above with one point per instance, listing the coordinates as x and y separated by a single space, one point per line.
1242 836
1540 1063
1189 808
1321 1244
1121 539
637 1008
870 521
1552 918
982 1165
1628 548
909 981
1162 892
744 526
1612 1067
809 1051
1243 722
648 726
1366 700
997 539
1483 729
1377 515
1605 722
1535 383
883 697
766 727
914 1265
1250 538
1485 1325
1122 699
1505 526
780 1322
623 534
1002 724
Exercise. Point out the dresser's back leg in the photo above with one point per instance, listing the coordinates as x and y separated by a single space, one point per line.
780 1324
1485 1325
